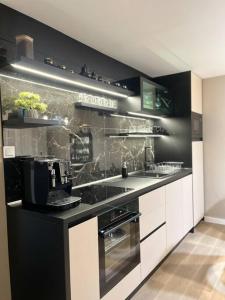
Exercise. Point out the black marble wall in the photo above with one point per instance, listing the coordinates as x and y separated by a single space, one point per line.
108 153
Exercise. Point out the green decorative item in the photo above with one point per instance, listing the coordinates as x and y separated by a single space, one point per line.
29 104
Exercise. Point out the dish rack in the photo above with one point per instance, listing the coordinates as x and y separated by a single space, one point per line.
168 167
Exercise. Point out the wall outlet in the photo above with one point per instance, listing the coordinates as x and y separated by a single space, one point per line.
9 151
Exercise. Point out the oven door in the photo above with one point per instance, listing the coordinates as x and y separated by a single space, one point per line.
119 251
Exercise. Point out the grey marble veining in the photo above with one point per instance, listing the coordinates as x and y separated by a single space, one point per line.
108 153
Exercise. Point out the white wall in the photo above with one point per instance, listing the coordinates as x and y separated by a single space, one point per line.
214 146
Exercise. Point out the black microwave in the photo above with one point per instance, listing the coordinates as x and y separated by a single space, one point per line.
196 120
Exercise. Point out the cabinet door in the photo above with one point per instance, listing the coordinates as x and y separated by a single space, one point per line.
198 180
196 94
153 250
174 213
84 261
187 204
152 209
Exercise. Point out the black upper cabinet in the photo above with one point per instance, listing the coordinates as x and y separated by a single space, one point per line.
155 98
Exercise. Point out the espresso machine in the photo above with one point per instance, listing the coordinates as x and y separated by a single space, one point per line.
47 184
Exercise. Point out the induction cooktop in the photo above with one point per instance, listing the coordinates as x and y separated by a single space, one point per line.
93 194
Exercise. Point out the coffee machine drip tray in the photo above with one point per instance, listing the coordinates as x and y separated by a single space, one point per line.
61 200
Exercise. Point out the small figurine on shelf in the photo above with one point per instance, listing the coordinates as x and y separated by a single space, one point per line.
84 70
94 76
29 105
49 61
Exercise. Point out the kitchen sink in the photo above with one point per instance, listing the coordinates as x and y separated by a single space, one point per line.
150 174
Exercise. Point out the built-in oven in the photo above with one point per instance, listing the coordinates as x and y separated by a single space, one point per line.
196 120
119 244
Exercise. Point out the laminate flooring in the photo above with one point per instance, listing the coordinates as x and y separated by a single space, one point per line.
195 270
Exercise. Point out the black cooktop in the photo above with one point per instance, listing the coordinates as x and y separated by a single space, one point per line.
93 194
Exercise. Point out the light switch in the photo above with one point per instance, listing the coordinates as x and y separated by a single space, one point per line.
9 151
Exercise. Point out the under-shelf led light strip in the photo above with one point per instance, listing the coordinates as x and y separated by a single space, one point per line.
65 80
135 136
126 117
36 83
144 115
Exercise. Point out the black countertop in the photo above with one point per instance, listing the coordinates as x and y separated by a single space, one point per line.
139 186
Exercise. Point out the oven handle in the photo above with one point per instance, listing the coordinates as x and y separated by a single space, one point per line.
104 232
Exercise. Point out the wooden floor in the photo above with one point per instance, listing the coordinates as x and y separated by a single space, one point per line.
196 269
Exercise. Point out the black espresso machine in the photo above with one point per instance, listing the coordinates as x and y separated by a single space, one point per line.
46 183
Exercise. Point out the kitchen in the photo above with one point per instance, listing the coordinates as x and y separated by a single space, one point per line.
102 167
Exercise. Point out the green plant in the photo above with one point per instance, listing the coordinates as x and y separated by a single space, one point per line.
27 100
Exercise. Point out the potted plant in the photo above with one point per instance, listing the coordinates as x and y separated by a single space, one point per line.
29 105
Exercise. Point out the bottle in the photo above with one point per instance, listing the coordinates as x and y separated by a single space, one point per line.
124 170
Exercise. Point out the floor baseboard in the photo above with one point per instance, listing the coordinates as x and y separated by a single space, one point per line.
214 220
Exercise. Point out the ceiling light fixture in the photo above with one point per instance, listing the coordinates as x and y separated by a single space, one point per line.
144 115
65 80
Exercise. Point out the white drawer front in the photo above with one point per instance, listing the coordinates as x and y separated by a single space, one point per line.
152 200
125 287
153 250
153 209
151 221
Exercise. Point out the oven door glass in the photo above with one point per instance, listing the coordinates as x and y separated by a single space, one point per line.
119 253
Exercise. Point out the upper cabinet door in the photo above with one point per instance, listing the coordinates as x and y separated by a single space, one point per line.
155 98
196 93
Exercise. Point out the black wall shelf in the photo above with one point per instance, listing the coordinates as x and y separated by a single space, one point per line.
75 80
135 135
137 115
20 123
84 105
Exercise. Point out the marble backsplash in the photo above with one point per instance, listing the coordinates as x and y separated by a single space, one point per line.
108 153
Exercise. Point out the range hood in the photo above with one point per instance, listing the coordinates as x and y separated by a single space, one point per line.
54 75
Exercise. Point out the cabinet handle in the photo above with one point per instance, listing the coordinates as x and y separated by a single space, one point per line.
106 231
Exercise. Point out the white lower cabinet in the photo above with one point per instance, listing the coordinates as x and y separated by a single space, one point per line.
174 214
198 181
125 287
153 211
153 250
179 210
171 204
187 204
84 261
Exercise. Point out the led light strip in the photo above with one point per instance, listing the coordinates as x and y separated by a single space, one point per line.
37 83
144 115
135 136
126 117
62 79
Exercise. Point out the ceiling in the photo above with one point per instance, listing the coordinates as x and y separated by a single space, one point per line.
157 37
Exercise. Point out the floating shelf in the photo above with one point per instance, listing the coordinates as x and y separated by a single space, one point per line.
84 105
136 116
21 123
75 80
135 135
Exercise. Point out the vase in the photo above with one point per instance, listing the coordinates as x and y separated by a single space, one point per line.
27 113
